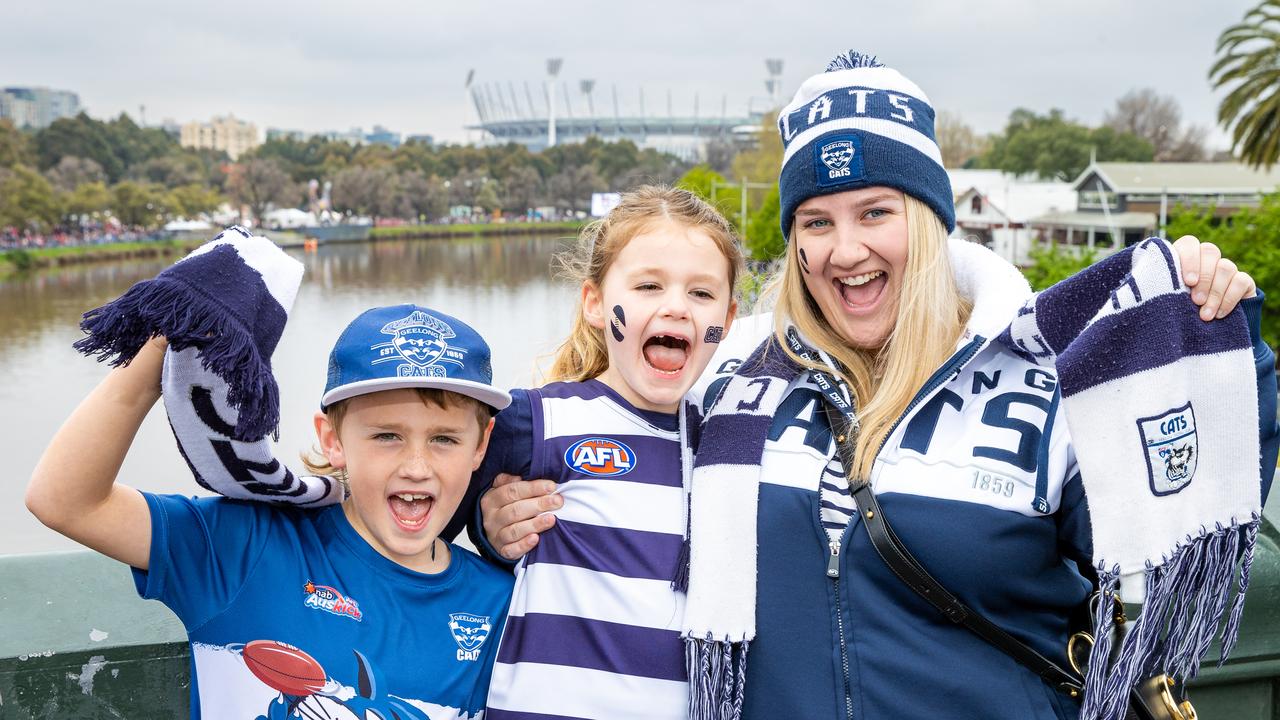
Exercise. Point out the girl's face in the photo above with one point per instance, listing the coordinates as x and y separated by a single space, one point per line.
664 305
852 249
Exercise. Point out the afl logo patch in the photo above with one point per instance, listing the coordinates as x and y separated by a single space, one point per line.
601 457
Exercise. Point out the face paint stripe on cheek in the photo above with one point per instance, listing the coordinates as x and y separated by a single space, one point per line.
714 334
804 262
617 322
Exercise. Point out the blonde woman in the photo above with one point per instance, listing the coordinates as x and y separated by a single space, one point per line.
961 436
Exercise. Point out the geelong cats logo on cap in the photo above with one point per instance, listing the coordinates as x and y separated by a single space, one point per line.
1171 445
420 339
838 160
602 457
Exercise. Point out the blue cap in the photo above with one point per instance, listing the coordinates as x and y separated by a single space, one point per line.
409 346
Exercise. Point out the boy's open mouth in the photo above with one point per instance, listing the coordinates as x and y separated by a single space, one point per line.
411 510
666 353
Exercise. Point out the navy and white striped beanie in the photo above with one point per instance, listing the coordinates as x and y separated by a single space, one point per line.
860 124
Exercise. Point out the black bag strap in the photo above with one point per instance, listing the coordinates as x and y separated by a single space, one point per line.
903 564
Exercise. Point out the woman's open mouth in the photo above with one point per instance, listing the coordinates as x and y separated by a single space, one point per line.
860 292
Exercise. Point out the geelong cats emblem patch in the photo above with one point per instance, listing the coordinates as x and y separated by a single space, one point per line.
1170 442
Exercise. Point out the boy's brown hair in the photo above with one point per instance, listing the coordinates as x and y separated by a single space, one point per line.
317 464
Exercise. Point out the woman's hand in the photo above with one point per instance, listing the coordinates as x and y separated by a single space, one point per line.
1216 284
514 511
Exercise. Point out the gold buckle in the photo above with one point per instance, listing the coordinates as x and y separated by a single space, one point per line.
1081 636
1183 711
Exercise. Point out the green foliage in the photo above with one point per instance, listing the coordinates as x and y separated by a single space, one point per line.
189 201
1247 237
1249 56
1054 147
20 259
413 181
27 200
710 185
15 146
764 237
138 204
1053 263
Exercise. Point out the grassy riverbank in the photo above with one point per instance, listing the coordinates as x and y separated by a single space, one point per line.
479 229
21 259
25 259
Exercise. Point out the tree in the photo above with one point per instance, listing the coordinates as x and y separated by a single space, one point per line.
27 200
960 145
81 136
425 197
15 146
1050 264
191 200
1245 238
710 186
521 190
1158 120
88 200
72 171
260 183
1054 147
138 204
760 163
572 187
1249 58
367 191
171 170
764 229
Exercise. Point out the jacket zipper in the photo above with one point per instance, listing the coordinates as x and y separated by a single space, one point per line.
833 560
833 572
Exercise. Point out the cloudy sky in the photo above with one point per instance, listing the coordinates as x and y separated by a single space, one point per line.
327 65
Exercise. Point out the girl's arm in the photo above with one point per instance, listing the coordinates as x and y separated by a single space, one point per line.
73 489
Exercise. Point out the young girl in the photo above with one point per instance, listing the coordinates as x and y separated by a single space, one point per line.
593 630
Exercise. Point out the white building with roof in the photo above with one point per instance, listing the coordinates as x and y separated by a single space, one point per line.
1120 204
995 209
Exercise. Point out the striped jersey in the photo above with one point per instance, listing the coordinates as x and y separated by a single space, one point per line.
594 625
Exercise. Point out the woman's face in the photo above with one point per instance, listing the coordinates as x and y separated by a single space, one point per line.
852 248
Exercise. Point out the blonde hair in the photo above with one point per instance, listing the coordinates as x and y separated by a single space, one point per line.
583 355
931 317
317 464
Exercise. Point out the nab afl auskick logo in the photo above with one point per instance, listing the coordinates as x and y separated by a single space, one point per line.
602 457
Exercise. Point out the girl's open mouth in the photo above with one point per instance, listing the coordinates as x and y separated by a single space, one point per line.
666 354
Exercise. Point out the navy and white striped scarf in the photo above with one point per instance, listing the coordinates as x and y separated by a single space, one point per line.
223 309
1159 406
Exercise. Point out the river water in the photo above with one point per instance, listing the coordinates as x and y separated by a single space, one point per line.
503 287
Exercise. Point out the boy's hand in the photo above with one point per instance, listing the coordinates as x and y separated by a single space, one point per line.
514 511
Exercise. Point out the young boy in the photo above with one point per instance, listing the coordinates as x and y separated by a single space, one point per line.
350 611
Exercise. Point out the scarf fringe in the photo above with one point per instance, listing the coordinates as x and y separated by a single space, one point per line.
188 318
717 677
1186 602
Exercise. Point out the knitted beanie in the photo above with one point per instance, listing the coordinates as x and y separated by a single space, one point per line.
860 124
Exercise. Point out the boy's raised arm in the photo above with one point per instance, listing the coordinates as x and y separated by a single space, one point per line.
74 490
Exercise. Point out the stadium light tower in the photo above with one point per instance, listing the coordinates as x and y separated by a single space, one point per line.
468 98
586 86
553 70
774 83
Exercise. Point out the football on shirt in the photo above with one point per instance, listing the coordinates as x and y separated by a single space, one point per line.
284 667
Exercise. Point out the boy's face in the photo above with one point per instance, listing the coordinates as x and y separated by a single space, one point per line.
408 464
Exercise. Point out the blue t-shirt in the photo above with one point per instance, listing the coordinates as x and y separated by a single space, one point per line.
290 613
